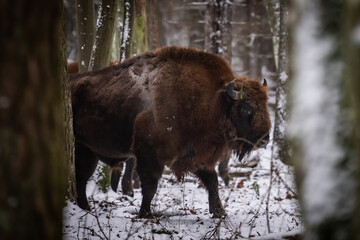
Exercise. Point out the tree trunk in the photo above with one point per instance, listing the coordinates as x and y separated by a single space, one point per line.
218 28
128 22
280 146
140 43
71 36
100 55
85 22
68 121
32 149
352 76
153 37
321 123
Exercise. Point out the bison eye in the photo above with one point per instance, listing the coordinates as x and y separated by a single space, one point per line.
245 110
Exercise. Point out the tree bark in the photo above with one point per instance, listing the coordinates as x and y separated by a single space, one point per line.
85 22
218 36
153 37
68 120
280 144
321 124
32 149
352 76
140 43
128 22
100 55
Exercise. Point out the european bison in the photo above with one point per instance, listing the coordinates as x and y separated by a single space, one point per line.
175 106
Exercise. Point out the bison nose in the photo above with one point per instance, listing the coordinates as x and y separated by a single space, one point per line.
264 141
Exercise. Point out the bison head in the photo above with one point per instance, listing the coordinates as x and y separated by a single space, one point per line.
246 109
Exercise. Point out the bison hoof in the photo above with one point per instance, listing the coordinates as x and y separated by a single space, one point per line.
219 213
144 214
83 204
129 193
84 207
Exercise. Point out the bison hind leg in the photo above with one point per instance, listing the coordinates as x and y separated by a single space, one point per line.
127 181
115 176
85 164
224 171
128 178
209 179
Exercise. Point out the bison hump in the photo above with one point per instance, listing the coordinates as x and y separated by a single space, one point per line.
217 67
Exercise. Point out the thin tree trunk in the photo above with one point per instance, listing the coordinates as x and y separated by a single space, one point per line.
140 28
32 149
85 22
153 36
280 145
115 51
100 55
128 22
218 36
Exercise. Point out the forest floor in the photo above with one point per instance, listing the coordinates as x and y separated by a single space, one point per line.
261 203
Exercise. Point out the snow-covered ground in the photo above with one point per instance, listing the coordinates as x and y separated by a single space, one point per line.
260 204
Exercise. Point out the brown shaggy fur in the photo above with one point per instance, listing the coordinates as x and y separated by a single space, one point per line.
167 107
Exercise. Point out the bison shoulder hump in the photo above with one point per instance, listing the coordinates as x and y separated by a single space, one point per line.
213 63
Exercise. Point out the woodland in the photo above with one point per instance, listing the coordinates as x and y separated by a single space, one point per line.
304 185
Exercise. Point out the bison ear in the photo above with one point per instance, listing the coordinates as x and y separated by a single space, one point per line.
234 94
265 82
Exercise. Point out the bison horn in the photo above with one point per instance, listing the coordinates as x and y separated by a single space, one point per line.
234 94
265 82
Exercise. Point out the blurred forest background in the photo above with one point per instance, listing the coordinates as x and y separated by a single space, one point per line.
316 44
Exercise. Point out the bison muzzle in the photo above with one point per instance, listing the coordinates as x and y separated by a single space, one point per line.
175 106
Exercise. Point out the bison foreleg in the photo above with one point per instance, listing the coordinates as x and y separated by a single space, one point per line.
149 187
209 179
149 172
85 164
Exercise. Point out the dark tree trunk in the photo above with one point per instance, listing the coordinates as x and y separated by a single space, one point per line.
32 143
68 121
100 55
85 22
153 36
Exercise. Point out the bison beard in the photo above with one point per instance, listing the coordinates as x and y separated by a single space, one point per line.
176 106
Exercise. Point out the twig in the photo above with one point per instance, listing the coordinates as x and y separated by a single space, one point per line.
93 232
285 184
215 231
269 193
98 222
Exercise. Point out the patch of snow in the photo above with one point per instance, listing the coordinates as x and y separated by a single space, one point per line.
283 77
